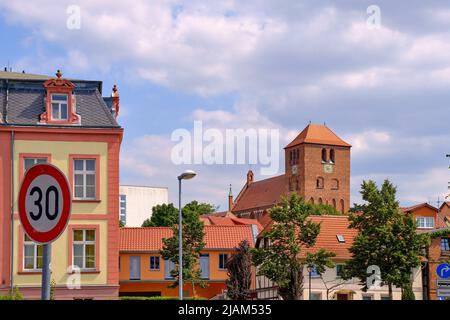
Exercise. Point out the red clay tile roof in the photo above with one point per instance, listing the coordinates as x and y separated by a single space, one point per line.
419 206
318 134
331 226
150 239
263 193
229 219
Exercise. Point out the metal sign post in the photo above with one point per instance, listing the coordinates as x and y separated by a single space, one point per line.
44 210
46 272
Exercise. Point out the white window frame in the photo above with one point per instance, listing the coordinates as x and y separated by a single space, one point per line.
84 242
84 172
60 104
35 254
425 222
150 263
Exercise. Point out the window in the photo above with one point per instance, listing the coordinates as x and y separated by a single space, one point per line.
314 273
135 268
154 262
342 206
84 178
335 184
316 296
204 266
84 249
384 297
59 107
334 203
339 270
311 200
324 155
445 244
367 297
32 259
320 201
168 267
425 222
223 257
332 156
29 162
320 183
340 238
123 208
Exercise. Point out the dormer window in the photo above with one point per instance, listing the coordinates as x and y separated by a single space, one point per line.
60 104
59 107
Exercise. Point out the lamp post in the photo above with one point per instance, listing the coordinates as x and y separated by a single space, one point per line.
310 268
186 175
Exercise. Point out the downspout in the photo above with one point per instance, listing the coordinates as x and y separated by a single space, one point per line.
11 279
12 214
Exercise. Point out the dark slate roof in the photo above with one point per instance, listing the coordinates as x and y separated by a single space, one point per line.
26 102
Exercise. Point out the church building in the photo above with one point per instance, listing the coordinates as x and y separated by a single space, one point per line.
317 168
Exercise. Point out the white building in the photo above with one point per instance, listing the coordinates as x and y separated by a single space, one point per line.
136 203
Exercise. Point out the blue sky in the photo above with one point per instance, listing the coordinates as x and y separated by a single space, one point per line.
256 64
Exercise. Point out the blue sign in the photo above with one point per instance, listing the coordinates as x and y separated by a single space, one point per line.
443 270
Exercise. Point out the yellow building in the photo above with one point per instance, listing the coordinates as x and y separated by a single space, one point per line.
68 124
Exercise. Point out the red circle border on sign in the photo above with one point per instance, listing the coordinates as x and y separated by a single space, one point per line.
30 176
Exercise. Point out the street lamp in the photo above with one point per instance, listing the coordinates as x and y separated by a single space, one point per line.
310 269
186 175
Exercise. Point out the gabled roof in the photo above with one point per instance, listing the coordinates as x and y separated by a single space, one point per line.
263 193
151 238
419 206
330 228
318 134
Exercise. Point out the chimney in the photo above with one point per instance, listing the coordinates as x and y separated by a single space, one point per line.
115 101
230 200
249 177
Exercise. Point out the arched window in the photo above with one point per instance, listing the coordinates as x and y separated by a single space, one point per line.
334 203
297 152
332 156
320 201
324 155
335 184
342 206
312 200
319 183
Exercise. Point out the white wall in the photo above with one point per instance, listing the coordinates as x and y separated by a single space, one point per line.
331 280
140 201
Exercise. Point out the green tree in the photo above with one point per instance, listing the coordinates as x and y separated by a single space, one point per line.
357 208
386 238
166 215
163 215
192 243
291 230
239 267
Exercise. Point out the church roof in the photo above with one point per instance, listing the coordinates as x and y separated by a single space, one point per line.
263 193
318 134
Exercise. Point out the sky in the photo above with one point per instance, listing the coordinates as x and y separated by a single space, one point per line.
255 64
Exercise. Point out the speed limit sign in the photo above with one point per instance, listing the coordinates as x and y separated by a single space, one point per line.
44 203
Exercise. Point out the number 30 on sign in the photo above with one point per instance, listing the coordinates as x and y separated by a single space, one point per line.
44 203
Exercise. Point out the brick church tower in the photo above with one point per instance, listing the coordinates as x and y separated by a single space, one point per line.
317 166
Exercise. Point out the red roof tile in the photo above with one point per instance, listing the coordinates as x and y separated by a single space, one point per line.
419 206
229 219
331 227
263 193
318 134
150 239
